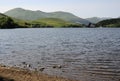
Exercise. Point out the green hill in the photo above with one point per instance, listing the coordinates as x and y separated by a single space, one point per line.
23 14
6 22
54 22
109 23
22 23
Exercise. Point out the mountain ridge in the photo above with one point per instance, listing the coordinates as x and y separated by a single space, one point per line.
26 14
97 19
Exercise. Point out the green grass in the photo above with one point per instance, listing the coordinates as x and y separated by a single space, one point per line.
53 22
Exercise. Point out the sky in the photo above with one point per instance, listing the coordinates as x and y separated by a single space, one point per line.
81 8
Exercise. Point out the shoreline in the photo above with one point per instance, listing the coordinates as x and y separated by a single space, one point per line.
8 73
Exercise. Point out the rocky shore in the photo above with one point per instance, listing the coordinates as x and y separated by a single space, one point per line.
17 74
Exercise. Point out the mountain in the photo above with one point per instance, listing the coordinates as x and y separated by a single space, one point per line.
6 22
96 19
109 23
23 14
68 17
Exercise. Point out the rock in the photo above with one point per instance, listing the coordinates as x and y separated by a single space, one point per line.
63 71
28 65
41 69
57 66
3 65
24 63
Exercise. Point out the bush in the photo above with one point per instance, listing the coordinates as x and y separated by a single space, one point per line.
7 22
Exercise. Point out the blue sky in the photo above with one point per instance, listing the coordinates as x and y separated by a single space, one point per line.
81 8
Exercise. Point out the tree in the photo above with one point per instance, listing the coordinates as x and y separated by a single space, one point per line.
6 22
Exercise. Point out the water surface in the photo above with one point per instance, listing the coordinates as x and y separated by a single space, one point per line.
84 54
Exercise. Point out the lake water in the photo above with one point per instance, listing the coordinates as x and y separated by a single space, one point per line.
84 54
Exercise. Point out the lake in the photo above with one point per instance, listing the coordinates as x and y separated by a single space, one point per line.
86 54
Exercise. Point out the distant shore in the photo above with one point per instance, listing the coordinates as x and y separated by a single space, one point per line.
17 74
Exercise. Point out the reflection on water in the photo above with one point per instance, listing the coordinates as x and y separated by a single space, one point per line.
83 54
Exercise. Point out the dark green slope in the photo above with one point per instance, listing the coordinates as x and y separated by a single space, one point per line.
6 22
109 23
23 14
